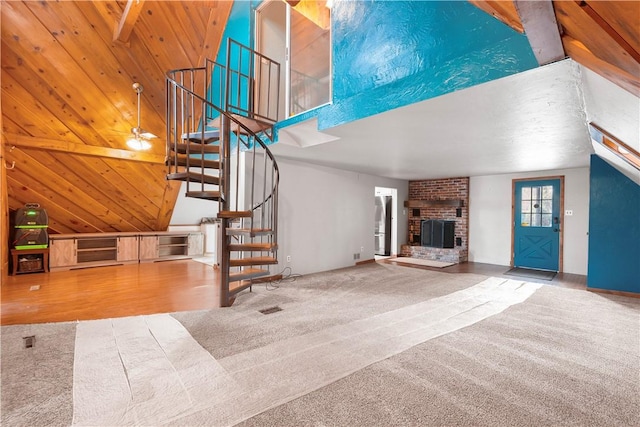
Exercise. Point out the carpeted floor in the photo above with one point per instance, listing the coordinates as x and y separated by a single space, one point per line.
561 357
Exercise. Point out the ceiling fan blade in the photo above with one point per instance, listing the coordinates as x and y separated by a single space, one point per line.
147 135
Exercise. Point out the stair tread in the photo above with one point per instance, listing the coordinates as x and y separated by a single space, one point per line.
234 214
197 162
253 247
259 260
239 286
208 195
247 273
248 231
192 148
209 135
194 177
255 125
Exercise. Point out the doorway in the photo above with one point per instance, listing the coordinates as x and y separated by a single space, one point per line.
537 223
385 222
299 38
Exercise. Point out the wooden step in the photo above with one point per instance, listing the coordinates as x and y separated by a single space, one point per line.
249 232
193 177
255 125
198 162
195 148
246 274
259 260
253 247
237 287
199 137
234 214
240 286
207 195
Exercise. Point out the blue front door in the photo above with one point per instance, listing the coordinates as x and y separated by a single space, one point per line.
537 224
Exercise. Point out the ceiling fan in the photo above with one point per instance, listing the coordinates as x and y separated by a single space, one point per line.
139 139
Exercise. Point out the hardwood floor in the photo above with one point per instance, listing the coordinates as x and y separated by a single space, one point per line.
164 287
565 280
103 292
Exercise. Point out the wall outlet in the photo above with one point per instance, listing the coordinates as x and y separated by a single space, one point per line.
288 258
568 212
356 256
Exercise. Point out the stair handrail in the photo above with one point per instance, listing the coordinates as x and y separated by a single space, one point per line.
206 102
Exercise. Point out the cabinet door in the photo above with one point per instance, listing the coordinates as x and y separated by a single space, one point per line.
148 247
128 248
195 244
62 253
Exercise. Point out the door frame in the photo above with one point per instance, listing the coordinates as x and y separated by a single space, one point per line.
513 216
393 192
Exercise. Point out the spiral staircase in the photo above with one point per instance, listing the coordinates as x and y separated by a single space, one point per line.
219 124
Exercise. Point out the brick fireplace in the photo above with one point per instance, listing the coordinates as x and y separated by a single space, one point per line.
438 199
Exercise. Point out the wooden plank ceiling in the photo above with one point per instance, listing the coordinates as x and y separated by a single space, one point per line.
603 36
68 105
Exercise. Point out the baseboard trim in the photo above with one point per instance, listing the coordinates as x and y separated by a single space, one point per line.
612 292
366 261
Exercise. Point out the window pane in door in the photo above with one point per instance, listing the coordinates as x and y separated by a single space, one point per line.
535 220
535 193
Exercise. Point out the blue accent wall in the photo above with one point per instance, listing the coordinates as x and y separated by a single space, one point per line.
387 54
614 229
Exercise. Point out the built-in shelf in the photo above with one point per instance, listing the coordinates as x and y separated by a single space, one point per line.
69 251
432 203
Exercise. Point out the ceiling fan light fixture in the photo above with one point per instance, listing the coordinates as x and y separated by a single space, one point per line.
138 144
138 139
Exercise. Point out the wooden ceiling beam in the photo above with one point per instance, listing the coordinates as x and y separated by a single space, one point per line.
124 27
87 150
541 28
607 28
581 54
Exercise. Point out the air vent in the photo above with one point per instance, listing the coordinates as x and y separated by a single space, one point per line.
29 341
270 310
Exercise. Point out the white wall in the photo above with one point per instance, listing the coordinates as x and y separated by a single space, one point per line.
490 221
327 215
189 210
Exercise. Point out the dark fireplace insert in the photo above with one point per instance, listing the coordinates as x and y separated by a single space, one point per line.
437 233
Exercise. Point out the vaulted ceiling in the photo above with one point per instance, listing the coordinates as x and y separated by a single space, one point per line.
68 105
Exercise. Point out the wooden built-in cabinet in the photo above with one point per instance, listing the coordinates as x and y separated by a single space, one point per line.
128 248
62 252
68 251
148 248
